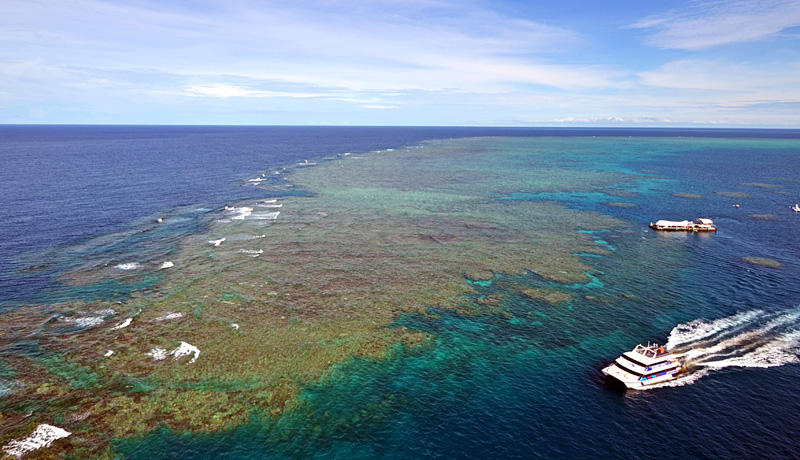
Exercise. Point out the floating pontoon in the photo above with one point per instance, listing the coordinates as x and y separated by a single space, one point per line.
701 225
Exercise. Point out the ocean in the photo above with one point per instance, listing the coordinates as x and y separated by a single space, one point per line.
81 203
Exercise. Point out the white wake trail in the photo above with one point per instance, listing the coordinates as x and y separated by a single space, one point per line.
748 339
697 330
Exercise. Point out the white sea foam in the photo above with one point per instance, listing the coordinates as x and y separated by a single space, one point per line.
270 205
157 353
167 264
128 266
252 252
169 316
769 355
750 339
274 200
246 237
84 321
185 350
42 436
257 179
697 330
265 215
217 242
105 312
89 321
240 213
123 324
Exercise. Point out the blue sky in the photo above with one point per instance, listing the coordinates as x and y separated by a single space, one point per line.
389 62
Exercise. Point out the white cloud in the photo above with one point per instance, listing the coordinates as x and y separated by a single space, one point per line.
357 45
599 120
224 91
720 22
384 61
742 78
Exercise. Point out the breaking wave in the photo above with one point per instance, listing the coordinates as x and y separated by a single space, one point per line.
128 266
750 339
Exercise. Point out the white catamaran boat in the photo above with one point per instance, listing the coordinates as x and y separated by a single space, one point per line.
644 366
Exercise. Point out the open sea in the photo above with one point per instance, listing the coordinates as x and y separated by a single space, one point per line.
491 387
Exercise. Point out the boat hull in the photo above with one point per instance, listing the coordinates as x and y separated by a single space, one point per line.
691 228
634 382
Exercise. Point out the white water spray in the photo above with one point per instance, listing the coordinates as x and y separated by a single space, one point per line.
749 339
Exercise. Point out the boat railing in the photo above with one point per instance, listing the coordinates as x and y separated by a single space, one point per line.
622 362
656 366
650 351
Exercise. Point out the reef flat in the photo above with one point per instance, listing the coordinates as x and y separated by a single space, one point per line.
276 293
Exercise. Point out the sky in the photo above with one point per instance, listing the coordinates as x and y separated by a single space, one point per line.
696 63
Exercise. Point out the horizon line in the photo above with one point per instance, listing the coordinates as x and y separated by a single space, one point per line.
634 127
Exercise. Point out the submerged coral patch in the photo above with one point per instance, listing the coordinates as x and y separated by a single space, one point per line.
550 296
278 304
733 194
763 262
759 185
688 195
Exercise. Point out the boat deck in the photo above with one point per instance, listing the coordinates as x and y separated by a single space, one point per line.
701 225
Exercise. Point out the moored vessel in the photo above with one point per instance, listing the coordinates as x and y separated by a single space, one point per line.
643 367
700 225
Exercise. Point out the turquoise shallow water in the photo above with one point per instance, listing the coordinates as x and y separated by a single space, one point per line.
527 384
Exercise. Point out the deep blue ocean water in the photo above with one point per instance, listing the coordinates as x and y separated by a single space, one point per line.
492 387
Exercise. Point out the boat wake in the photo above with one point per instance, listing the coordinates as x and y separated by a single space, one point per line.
749 339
